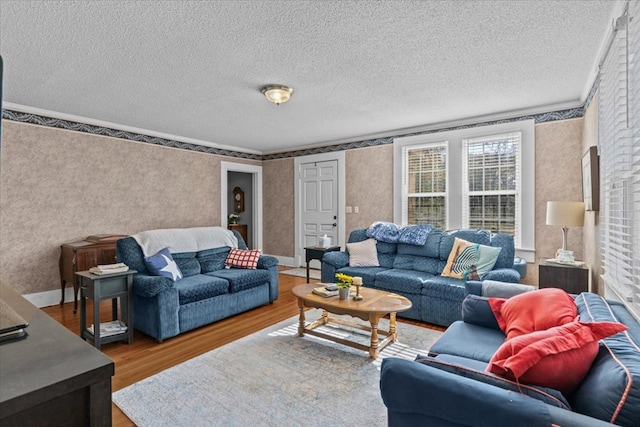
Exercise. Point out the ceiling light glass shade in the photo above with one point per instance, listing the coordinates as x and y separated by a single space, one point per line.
277 93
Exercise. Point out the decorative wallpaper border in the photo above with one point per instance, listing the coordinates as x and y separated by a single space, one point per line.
17 116
132 136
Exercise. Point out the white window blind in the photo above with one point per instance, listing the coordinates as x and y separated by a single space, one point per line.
425 189
619 144
491 183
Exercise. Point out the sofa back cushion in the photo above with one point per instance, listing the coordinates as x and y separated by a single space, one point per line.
187 263
212 259
508 252
611 389
430 249
418 263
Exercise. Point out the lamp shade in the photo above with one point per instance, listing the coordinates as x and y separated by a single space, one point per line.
566 214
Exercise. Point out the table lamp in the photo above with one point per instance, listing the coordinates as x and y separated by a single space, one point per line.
565 214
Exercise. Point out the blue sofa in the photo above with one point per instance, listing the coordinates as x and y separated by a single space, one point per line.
414 271
208 291
450 388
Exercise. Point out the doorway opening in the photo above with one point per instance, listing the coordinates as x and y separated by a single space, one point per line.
241 194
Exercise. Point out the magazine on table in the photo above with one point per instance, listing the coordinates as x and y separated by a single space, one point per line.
109 269
110 328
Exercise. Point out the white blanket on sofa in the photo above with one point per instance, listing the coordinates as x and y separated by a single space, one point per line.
184 239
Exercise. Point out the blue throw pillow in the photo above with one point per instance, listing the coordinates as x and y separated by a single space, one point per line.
162 264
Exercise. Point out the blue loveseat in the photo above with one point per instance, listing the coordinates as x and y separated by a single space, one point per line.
450 388
208 291
414 271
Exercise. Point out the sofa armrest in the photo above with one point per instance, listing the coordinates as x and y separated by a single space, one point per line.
503 275
430 396
149 286
331 262
496 289
336 259
266 261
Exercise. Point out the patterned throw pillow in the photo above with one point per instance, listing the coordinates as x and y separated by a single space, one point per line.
240 258
363 254
470 261
162 264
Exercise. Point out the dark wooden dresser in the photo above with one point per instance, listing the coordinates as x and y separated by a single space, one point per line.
51 377
242 229
80 256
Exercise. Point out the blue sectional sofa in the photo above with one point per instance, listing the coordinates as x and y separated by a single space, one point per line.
414 271
163 308
450 387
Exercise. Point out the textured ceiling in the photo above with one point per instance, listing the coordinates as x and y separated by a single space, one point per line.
192 70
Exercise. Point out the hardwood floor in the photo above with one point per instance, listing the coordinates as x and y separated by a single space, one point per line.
146 357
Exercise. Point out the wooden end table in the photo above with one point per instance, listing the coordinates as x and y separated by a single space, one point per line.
573 279
316 252
375 305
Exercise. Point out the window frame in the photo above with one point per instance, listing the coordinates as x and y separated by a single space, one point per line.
517 191
405 176
525 248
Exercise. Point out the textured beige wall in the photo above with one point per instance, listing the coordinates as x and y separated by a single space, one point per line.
369 176
558 177
278 207
59 186
591 231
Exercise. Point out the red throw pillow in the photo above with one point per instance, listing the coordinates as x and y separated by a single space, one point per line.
533 311
558 358
240 258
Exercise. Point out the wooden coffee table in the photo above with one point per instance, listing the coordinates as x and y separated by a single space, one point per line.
375 305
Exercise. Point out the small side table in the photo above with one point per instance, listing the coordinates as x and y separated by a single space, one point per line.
573 279
100 287
316 252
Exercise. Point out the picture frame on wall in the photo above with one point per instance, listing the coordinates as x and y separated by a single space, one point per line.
591 179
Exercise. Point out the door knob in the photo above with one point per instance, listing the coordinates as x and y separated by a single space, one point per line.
335 225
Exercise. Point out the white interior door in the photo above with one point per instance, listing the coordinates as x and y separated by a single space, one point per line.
319 210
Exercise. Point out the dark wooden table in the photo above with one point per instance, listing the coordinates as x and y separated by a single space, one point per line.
51 377
570 278
109 286
316 252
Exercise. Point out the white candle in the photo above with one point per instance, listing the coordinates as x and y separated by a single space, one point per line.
357 280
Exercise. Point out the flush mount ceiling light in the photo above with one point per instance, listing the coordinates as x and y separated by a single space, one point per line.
277 93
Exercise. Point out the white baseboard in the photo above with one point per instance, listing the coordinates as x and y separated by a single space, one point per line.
49 298
286 261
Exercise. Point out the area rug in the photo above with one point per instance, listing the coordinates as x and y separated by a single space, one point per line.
302 272
273 378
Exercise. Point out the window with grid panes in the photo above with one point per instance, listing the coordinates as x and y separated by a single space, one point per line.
619 149
491 193
426 177
470 178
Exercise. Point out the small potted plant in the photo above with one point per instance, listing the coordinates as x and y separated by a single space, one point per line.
343 284
234 218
